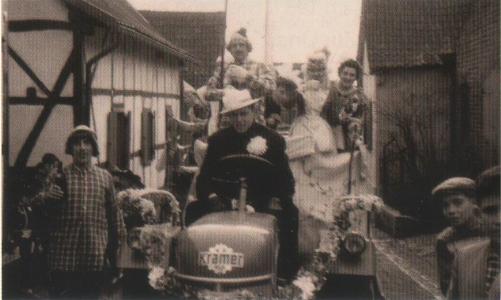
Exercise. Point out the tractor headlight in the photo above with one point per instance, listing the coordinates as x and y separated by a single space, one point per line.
354 243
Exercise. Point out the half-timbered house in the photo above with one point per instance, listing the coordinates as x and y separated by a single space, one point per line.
94 62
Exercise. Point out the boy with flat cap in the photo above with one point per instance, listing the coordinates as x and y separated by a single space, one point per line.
475 271
457 199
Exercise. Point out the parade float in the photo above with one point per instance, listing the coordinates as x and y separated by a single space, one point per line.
234 254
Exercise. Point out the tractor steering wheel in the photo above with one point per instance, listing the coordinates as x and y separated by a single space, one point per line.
258 172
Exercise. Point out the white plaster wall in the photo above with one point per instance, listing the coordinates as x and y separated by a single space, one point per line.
52 138
37 10
45 52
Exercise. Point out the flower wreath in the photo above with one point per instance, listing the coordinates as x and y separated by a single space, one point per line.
309 279
137 211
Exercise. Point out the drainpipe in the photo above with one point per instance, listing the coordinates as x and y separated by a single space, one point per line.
89 78
89 75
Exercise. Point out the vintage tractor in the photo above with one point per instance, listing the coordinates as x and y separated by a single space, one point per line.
231 250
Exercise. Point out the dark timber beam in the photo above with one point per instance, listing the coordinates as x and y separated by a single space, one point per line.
5 106
82 106
32 138
23 65
39 101
38 25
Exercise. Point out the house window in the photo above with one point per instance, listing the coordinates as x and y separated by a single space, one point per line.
147 136
118 139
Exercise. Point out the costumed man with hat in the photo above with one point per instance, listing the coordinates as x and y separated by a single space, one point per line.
86 223
475 271
458 201
241 72
246 136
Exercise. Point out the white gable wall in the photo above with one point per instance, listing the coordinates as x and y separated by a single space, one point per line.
134 75
370 90
45 52
37 10
140 79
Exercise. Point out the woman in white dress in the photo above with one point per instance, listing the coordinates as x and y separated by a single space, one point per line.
313 157
320 172
318 169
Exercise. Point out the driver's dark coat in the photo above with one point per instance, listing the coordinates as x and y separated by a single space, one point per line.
228 141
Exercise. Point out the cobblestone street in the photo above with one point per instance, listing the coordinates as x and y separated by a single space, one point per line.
407 267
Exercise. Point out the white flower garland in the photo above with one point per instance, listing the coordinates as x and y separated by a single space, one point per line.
309 279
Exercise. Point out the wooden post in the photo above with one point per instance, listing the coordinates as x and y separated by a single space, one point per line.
268 58
5 90
82 107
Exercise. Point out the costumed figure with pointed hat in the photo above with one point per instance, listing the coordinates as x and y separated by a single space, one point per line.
241 72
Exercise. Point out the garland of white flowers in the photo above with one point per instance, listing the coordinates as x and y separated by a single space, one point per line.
309 278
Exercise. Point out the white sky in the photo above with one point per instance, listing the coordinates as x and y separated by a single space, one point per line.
298 27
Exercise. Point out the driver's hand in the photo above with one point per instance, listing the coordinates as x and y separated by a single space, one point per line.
249 209
275 204
216 203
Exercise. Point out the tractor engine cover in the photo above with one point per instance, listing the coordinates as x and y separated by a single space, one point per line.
229 248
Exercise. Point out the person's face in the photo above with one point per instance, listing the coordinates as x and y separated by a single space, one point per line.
348 76
52 169
458 209
281 96
242 119
239 50
82 151
489 206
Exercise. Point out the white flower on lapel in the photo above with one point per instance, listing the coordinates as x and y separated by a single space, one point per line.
257 146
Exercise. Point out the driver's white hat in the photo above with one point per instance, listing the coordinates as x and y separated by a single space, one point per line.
234 99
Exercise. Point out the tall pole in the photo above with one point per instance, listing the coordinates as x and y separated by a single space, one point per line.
268 59
223 47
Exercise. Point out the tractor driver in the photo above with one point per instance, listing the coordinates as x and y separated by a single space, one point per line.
246 136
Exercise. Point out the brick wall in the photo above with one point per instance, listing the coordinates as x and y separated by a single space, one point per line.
477 68
420 96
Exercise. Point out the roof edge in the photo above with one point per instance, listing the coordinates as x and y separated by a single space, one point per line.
104 17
